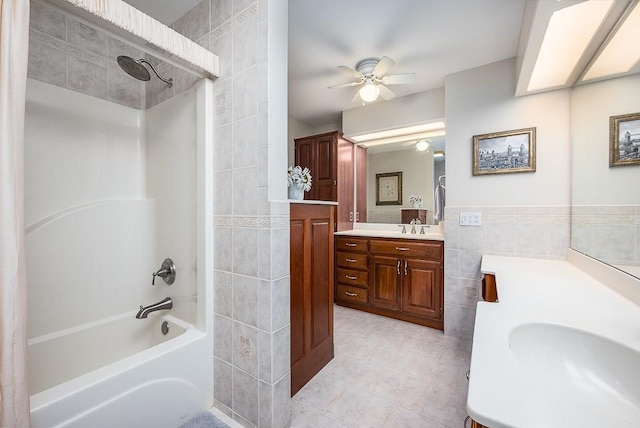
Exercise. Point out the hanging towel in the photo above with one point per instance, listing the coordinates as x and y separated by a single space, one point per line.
438 202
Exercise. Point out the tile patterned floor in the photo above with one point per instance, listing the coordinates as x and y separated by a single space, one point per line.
386 373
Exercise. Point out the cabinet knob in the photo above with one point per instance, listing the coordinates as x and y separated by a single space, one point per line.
351 294
351 277
402 249
405 268
351 244
351 260
398 267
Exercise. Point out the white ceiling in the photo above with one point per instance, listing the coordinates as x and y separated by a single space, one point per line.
165 11
432 38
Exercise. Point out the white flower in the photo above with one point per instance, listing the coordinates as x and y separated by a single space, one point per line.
299 177
414 199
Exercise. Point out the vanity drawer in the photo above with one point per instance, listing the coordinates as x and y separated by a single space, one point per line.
431 250
352 294
351 260
352 244
353 277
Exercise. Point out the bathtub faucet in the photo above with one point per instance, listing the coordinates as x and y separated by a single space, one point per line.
144 311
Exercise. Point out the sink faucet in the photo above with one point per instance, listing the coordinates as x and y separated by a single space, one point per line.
413 226
144 311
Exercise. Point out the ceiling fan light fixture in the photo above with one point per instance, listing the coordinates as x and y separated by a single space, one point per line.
422 146
369 92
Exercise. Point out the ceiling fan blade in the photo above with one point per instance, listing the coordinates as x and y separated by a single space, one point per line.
386 93
356 97
350 71
383 66
345 85
399 79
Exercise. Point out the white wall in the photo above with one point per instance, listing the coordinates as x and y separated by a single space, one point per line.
417 179
525 214
480 101
170 129
92 239
403 111
595 183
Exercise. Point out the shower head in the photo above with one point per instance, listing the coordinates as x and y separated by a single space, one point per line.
137 70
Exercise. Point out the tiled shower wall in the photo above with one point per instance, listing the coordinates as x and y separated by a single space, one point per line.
68 52
252 381
609 233
541 232
251 284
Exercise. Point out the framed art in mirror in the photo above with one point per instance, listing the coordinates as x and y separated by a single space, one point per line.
389 188
624 140
505 152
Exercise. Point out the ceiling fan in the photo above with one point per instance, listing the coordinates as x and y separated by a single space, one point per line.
371 74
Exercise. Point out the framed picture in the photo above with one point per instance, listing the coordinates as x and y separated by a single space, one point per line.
389 188
505 152
624 140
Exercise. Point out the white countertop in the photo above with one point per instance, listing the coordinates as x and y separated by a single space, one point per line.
379 230
312 202
504 391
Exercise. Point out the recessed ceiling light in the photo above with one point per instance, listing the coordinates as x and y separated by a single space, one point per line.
422 146
622 52
567 36
398 132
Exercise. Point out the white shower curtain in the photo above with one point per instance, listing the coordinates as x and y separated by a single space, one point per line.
14 44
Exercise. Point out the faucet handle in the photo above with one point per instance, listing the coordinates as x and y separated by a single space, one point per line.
404 228
167 272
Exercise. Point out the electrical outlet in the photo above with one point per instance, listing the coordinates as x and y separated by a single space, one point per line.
470 219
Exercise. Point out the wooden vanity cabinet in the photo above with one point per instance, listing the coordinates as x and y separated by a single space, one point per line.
404 278
352 270
311 288
330 159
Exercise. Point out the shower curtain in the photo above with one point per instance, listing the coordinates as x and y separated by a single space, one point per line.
14 44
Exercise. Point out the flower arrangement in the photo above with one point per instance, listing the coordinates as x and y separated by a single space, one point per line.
299 177
415 200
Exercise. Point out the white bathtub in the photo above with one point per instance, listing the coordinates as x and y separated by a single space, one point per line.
120 372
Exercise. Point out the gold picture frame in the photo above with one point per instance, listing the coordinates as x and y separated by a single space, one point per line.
389 188
505 152
624 140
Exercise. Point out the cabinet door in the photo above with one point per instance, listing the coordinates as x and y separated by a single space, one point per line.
385 285
361 184
422 288
305 157
312 291
324 178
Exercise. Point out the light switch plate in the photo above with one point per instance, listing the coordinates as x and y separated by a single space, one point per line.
470 219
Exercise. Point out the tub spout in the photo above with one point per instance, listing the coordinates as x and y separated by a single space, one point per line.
144 311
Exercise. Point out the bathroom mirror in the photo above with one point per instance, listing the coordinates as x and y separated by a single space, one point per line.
605 199
420 173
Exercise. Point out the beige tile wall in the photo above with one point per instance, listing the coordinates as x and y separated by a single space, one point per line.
609 233
251 254
542 232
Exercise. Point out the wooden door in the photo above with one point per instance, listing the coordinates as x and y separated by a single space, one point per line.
324 179
305 157
422 288
385 282
361 184
344 189
312 274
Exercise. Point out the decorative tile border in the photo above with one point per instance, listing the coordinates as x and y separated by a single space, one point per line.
254 222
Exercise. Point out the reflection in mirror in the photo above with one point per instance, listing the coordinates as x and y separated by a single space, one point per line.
420 173
605 221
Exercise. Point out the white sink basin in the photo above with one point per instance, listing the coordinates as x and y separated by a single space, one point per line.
581 363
